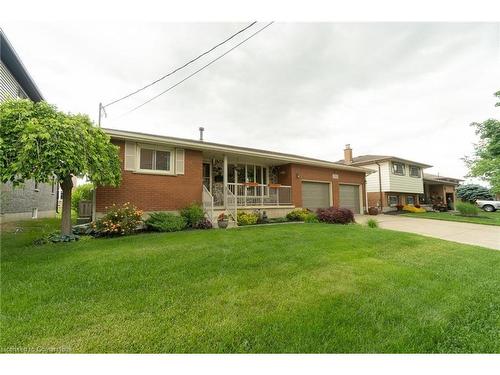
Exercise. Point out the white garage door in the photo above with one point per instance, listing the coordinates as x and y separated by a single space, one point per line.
349 197
315 195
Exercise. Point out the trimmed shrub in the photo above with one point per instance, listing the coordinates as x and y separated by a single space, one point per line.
118 221
372 210
193 214
333 215
412 208
247 218
81 192
399 207
467 209
417 206
372 223
299 214
204 224
165 222
311 218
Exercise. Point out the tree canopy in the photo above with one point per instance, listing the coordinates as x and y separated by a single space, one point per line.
39 142
473 192
485 162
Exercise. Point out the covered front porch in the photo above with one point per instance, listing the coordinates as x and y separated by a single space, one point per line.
438 195
237 182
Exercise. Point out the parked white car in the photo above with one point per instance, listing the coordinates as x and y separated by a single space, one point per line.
489 206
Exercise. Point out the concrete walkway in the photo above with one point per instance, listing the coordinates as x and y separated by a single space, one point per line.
472 234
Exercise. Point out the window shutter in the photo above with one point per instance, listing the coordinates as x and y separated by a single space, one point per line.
179 161
130 156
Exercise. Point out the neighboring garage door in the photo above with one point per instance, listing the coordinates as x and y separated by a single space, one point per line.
349 197
315 195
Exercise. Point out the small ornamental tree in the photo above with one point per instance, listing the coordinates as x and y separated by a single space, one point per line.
41 143
473 192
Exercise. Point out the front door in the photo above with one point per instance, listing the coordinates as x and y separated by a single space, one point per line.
207 176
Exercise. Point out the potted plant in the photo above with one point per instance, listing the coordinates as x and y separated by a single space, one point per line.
222 220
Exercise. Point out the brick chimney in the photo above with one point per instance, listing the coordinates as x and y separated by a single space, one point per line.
348 154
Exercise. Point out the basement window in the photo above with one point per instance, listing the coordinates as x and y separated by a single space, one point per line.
410 199
392 200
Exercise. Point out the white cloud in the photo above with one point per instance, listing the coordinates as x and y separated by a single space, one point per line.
409 90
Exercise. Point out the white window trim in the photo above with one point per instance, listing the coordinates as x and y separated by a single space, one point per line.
170 172
419 171
394 172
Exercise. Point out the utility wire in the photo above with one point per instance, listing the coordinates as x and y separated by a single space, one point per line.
199 70
181 67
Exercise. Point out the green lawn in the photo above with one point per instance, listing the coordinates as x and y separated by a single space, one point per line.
284 288
489 218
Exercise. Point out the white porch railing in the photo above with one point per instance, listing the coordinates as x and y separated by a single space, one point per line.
208 203
249 194
231 204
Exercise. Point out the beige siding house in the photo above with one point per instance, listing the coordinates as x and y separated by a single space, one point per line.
395 181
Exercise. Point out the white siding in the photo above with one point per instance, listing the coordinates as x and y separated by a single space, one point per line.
406 183
9 88
392 182
372 181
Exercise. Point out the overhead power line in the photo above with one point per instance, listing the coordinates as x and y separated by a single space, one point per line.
199 70
181 67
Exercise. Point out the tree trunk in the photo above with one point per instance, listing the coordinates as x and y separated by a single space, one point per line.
66 186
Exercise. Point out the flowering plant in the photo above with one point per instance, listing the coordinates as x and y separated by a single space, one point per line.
118 221
222 217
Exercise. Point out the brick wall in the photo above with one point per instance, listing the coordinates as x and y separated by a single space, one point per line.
155 192
294 174
374 199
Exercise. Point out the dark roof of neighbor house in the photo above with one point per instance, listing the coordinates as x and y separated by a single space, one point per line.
203 145
441 179
13 62
368 159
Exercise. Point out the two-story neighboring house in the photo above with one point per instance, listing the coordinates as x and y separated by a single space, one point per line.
31 200
396 181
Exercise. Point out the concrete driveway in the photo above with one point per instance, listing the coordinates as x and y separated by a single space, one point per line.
472 234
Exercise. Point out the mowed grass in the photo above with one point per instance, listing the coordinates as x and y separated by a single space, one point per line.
488 218
273 289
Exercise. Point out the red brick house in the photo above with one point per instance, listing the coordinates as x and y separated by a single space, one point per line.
166 174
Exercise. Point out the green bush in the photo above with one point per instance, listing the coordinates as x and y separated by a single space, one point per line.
372 223
165 222
193 214
311 218
467 209
299 214
247 218
81 192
